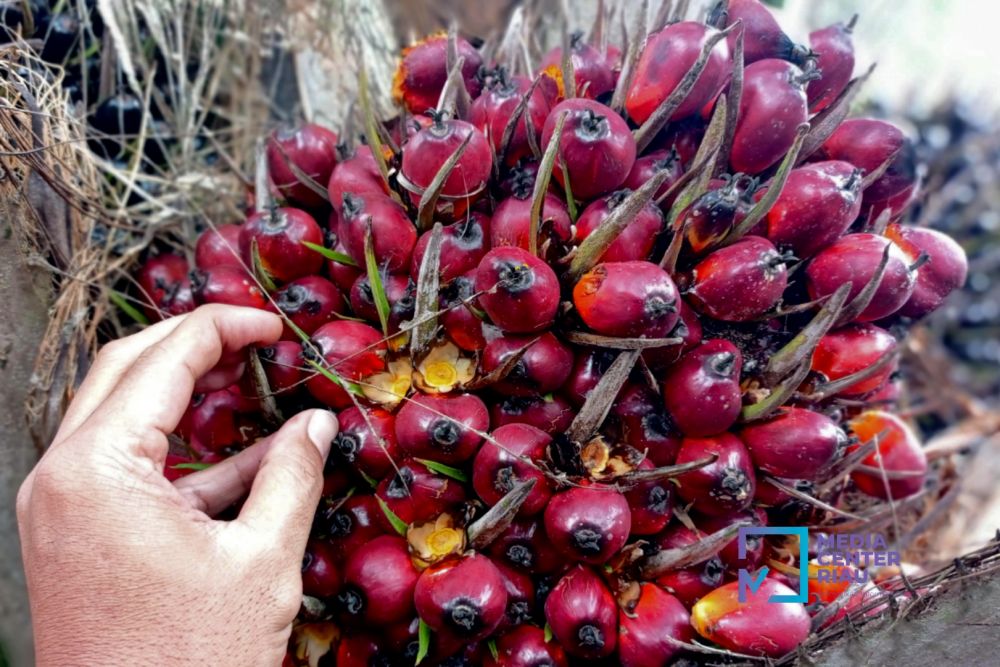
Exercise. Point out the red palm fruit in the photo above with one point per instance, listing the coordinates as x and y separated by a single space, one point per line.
896 205
214 422
417 494
430 148
684 137
854 259
550 413
511 222
688 329
393 235
740 282
507 460
654 434
525 546
379 582
897 450
729 553
519 179
350 524
367 441
723 486
217 247
627 299
463 245
834 51
351 350
320 575
588 524
773 105
649 503
583 615
283 366
165 286
520 597
596 148
309 302
795 443
295 154
853 348
343 275
690 583
521 291
588 368
755 626
229 285
360 650
636 241
492 110
525 646
593 72
817 205
423 70
945 270
542 368
701 392
646 629
665 60
762 36
464 596
279 235
649 165
442 428
458 318
397 287
710 217
358 175
867 143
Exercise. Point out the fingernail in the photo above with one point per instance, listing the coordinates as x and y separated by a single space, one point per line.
321 430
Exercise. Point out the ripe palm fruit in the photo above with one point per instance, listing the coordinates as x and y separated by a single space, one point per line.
867 143
627 299
773 105
367 440
795 443
432 146
854 259
550 413
506 460
459 318
722 487
762 36
349 524
217 247
588 367
309 302
165 285
897 451
393 235
227 284
525 646
350 350
690 583
463 245
511 222
492 110
834 51
665 60
755 626
525 546
588 524
521 292
596 148
423 70
443 428
283 365
218 421
379 581
649 165
358 175
542 368
688 329
295 154
649 503
817 205
710 217
583 615
945 270
417 494
279 234
520 596
463 596
740 282
320 576
701 392
754 544
636 241
646 628
853 348
399 292
593 73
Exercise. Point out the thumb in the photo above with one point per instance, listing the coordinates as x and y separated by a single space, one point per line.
288 485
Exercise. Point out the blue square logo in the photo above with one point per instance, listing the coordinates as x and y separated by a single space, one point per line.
748 582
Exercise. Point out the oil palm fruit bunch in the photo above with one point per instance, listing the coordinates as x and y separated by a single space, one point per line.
580 325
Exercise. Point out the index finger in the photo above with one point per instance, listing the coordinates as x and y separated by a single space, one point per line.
152 395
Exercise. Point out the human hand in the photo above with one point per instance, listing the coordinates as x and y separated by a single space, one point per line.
125 568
